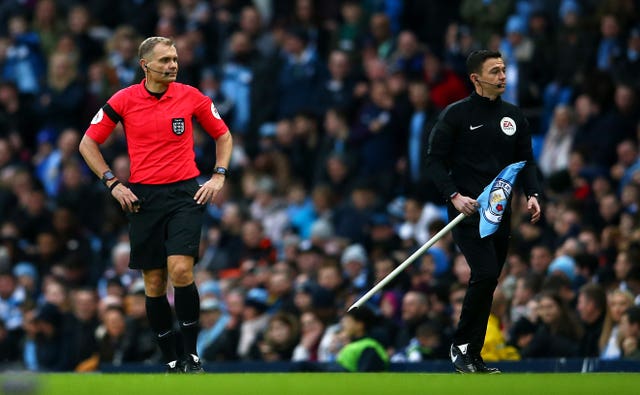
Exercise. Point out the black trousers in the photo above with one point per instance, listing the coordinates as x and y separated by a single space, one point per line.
486 258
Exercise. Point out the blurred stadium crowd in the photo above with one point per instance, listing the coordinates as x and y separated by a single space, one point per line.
330 103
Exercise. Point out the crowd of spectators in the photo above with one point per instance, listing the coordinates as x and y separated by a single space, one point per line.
330 103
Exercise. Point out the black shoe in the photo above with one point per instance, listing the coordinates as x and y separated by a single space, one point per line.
174 367
461 360
482 368
193 365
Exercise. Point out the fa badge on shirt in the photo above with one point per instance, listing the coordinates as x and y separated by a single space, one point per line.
177 125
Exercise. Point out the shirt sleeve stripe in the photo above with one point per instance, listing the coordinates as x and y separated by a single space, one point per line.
111 113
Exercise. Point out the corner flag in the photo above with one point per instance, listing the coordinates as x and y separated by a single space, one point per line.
493 201
495 197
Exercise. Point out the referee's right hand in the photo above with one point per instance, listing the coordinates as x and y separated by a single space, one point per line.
465 204
127 199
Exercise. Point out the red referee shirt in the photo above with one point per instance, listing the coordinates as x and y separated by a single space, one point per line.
159 132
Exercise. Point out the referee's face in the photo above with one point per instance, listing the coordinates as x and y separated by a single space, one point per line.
162 66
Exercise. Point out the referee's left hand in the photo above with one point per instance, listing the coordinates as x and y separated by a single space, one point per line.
534 209
209 190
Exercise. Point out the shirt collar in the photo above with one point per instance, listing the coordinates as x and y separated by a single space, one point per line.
145 93
485 100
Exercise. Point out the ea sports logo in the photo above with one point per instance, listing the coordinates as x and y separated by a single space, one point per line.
508 126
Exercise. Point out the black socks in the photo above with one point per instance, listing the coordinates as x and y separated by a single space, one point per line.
187 306
161 321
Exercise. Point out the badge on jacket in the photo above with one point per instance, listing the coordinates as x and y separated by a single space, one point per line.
508 126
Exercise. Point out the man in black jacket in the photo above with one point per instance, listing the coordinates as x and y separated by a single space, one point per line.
473 140
592 308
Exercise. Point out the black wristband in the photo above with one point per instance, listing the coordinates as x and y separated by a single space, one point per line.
221 170
115 184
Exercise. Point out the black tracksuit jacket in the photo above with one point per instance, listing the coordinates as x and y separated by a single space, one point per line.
473 140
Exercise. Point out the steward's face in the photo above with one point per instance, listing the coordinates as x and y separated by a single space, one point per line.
494 72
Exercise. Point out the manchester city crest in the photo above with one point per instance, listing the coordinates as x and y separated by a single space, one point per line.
177 125
498 200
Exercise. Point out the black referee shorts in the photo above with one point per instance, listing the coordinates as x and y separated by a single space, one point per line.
169 223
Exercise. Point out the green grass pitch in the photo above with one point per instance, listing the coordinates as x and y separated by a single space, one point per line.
323 384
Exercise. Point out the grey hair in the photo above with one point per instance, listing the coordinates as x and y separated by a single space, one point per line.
147 46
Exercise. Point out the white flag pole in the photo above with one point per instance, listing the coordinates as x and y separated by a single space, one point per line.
407 262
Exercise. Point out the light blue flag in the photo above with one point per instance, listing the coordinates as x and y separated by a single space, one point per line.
495 197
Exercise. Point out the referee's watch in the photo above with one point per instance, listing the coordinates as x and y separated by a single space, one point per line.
535 195
221 170
107 176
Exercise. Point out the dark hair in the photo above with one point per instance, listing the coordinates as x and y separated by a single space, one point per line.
587 261
299 32
555 283
633 314
427 329
567 323
532 281
476 59
341 112
596 294
634 273
363 314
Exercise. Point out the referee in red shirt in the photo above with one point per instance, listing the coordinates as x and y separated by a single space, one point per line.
164 202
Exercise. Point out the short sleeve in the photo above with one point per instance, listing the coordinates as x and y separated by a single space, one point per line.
208 116
106 118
